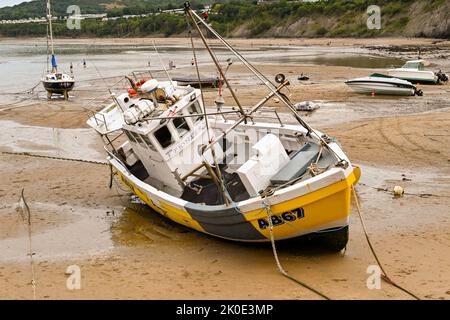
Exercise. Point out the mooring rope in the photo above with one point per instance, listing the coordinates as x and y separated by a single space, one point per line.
16 104
26 216
384 275
421 195
53 158
277 260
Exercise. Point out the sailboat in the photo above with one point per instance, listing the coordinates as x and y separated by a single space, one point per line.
55 82
236 174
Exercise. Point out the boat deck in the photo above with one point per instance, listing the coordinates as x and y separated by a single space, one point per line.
208 193
205 191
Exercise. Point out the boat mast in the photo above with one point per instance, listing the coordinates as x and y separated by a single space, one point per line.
274 90
48 53
49 17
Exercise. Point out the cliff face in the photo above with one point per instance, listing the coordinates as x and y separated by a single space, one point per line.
420 18
429 22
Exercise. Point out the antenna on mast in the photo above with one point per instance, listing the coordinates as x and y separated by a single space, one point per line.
274 89
164 67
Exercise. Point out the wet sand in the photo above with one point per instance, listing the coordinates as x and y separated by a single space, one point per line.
126 251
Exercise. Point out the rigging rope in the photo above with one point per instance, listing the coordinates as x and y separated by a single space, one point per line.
225 193
199 82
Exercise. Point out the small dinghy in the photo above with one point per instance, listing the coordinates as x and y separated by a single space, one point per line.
307 106
55 82
236 174
384 85
205 81
302 77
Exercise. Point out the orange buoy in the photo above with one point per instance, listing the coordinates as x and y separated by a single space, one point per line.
132 92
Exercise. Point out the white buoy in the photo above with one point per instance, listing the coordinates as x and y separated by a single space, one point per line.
398 191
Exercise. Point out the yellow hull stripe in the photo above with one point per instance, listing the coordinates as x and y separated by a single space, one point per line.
321 207
179 216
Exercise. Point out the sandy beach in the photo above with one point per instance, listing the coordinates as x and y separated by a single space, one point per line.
126 251
387 41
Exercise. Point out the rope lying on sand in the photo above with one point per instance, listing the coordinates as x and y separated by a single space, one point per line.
277 260
421 195
53 158
25 213
384 275
16 104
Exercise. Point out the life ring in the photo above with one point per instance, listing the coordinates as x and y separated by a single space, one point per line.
280 78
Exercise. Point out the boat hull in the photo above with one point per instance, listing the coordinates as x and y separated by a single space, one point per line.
381 87
423 77
322 210
58 87
193 82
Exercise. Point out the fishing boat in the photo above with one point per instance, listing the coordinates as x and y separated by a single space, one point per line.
384 85
414 71
229 174
55 82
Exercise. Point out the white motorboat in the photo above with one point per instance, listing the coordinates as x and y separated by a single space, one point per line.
414 71
384 85
55 82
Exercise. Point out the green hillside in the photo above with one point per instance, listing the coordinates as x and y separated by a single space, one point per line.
332 18
37 8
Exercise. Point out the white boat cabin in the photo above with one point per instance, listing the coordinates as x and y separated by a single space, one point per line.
166 138
166 146
418 65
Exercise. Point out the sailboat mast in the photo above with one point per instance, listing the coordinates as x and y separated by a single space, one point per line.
50 26
49 16
48 53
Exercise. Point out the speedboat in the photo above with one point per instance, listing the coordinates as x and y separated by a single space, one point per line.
237 175
384 85
55 82
414 71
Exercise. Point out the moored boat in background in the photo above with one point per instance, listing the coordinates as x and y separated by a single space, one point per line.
415 72
55 82
384 85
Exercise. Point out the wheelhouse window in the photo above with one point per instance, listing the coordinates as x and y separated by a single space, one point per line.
193 109
129 136
181 125
137 137
164 137
148 142
414 65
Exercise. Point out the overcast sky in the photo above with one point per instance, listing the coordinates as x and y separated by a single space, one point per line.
6 3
